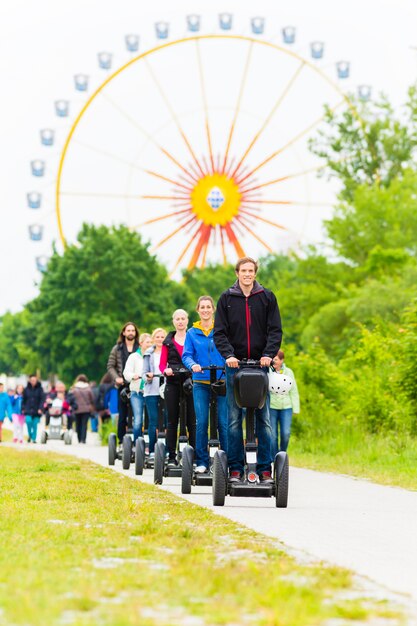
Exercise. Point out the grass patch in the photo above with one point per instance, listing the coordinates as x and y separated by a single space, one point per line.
385 460
85 546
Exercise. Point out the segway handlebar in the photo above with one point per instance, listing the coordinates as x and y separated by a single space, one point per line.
215 368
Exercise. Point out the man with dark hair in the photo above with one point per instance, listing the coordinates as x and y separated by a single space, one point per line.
247 326
127 342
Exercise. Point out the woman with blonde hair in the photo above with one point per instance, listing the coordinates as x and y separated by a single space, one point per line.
151 362
171 360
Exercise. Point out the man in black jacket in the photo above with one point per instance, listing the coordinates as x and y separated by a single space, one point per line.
32 405
127 343
247 326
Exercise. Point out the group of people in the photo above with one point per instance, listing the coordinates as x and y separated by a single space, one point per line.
245 325
25 405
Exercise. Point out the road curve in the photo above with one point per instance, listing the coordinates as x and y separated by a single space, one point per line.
368 528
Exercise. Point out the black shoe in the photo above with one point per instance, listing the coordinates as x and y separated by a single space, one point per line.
172 463
266 478
235 477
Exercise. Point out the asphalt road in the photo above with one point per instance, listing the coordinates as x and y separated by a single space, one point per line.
368 528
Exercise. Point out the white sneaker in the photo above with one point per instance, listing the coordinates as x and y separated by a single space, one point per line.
200 469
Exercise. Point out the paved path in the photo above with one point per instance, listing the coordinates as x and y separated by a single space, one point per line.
368 528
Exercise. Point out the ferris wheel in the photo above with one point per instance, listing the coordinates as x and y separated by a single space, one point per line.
199 142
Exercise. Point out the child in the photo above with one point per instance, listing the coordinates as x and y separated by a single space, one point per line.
5 407
18 417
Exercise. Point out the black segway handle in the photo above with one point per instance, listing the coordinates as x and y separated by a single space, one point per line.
215 368
250 363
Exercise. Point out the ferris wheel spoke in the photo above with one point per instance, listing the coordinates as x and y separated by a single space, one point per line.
174 232
222 245
206 114
151 197
310 170
297 137
234 240
186 248
164 217
262 219
168 180
98 194
269 117
110 155
243 221
146 134
204 236
174 116
238 103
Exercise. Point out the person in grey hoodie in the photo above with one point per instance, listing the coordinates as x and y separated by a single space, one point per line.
151 360
84 400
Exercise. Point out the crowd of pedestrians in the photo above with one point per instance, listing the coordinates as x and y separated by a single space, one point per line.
246 324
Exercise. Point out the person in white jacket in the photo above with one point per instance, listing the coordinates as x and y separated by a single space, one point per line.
132 373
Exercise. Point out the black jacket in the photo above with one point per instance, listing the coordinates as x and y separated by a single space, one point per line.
174 360
117 359
33 399
247 327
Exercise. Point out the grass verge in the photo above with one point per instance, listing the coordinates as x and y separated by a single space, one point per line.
384 460
84 546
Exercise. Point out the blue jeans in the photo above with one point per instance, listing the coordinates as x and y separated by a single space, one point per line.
152 408
94 423
137 403
32 422
201 395
283 417
236 453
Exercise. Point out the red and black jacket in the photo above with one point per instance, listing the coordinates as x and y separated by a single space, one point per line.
247 327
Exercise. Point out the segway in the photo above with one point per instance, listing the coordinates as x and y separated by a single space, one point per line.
189 478
56 424
142 457
250 391
161 468
126 455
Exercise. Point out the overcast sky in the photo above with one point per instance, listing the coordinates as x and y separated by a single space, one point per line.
44 43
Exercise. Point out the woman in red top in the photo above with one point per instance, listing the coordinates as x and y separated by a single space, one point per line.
171 360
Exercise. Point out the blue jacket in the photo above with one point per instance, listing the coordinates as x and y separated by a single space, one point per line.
5 406
199 349
16 402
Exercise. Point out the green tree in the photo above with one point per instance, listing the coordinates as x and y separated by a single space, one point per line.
87 294
211 280
368 143
377 217
18 352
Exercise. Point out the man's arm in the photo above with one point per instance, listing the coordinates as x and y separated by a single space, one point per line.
274 329
111 364
221 329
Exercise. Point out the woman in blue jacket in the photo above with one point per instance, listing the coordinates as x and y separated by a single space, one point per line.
200 351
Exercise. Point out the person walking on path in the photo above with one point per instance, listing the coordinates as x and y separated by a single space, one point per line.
32 406
127 343
200 351
282 408
247 326
18 417
5 407
151 361
171 360
84 399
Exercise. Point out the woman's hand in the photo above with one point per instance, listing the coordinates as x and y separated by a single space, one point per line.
196 368
149 376
135 377
168 371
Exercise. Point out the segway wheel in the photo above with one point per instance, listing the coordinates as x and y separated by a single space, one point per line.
44 436
127 451
112 448
187 469
158 470
139 456
281 470
67 438
219 478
